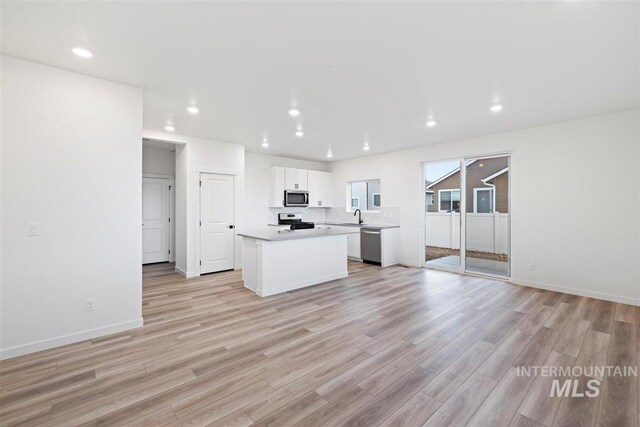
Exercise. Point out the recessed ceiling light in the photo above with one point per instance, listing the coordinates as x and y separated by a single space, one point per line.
265 144
169 128
496 107
329 155
294 112
193 109
299 133
431 123
82 52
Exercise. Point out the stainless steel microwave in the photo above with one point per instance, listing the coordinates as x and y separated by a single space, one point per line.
296 198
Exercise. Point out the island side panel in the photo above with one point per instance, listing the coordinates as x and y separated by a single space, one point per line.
390 246
250 263
294 264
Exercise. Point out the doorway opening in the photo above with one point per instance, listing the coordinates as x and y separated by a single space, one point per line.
158 202
467 215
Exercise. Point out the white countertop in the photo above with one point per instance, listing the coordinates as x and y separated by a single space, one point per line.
345 224
272 235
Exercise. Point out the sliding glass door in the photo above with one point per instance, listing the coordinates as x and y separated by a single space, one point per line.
486 219
442 214
467 215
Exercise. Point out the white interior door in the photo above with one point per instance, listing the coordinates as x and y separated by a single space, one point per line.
217 229
156 207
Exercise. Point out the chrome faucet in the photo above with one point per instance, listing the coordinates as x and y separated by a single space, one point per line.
359 212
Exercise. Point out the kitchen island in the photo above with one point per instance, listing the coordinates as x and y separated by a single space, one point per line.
276 261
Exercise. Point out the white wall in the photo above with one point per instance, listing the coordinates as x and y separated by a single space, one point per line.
585 170
63 136
196 156
257 167
162 162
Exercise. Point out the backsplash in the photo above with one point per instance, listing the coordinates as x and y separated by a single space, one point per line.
386 215
308 214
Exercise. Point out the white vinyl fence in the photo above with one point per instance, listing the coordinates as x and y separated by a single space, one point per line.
486 232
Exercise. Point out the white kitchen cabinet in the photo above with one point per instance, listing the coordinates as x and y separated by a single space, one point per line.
279 227
320 189
276 187
353 245
319 185
296 179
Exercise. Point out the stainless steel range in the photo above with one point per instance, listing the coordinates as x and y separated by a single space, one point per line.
294 221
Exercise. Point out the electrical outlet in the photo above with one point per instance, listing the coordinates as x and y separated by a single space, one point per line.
532 266
32 229
90 304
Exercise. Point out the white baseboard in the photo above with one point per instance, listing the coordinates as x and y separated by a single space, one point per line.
409 263
185 274
300 285
7 353
576 291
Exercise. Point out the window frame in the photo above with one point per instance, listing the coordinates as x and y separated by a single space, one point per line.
350 208
374 200
352 199
491 190
445 190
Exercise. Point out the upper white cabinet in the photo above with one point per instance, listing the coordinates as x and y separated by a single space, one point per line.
296 179
319 184
276 187
320 189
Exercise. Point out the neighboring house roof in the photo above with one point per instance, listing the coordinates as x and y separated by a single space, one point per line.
497 174
456 170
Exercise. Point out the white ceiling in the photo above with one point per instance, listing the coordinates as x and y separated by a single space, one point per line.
356 70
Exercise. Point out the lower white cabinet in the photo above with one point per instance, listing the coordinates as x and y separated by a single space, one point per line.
353 246
280 227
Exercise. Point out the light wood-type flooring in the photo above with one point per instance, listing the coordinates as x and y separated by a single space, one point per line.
393 347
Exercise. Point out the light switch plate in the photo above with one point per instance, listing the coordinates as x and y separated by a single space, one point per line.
32 229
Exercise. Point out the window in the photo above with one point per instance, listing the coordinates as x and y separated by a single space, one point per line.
376 200
483 200
449 200
429 199
364 195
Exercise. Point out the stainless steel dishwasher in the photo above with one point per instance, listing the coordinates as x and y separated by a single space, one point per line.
371 245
